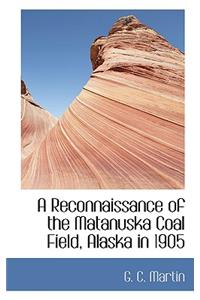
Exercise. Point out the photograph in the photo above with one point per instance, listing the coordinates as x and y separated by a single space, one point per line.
102 99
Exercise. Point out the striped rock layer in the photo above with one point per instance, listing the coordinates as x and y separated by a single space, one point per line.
35 122
125 130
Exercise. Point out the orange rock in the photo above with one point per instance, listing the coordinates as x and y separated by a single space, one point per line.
126 128
35 122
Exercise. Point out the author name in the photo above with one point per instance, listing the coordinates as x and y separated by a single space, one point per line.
153 276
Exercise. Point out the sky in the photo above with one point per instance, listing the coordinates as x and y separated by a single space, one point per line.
55 49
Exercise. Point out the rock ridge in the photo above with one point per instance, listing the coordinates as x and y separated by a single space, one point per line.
35 122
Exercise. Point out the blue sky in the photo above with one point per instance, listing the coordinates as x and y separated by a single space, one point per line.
56 48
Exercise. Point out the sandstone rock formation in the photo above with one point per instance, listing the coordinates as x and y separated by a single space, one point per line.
126 128
35 122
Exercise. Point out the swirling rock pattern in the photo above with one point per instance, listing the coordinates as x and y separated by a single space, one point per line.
126 128
35 122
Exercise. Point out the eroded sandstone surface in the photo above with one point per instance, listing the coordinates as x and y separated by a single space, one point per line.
126 127
35 122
